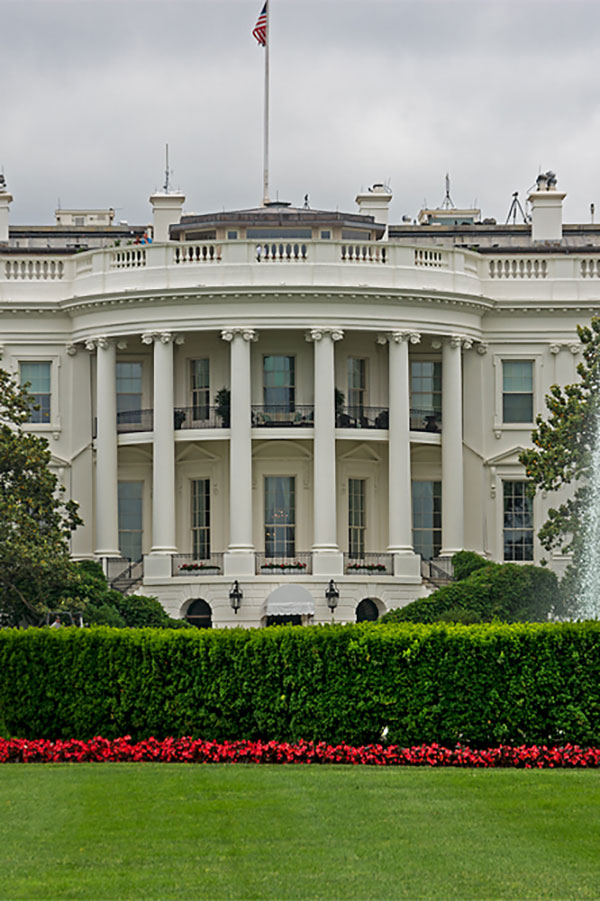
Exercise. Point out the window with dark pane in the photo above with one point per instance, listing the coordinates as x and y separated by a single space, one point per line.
38 374
129 392
518 522
201 519
200 389
280 516
131 524
279 383
356 518
199 614
517 391
366 611
357 386
427 518
426 387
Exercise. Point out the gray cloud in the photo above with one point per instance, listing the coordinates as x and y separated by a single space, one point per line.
488 90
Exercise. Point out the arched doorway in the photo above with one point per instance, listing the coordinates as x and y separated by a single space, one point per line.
367 611
199 614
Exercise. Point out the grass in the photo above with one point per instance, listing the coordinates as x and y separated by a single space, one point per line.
126 831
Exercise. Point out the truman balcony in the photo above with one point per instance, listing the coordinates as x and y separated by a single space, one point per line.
278 416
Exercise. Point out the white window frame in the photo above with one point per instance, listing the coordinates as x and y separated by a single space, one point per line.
55 424
537 359
514 473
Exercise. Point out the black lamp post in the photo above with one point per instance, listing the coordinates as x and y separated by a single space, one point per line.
332 594
235 596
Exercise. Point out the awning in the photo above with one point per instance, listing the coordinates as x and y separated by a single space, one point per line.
288 600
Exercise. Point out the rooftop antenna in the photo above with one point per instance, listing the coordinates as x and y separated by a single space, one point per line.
515 207
447 203
168 172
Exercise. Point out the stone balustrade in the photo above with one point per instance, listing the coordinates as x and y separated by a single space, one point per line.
393 267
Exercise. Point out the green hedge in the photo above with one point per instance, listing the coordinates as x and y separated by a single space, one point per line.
479 685
507 591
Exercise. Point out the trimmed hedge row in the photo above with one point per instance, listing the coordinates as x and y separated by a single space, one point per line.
480 686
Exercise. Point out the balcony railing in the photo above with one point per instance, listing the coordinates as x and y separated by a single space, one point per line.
278 416
426 421
188 565
369 565
360 417
298 565
274 416
135 420
200 417
438 570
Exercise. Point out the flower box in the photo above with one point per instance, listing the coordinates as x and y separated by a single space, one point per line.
295 566
207 569
366 568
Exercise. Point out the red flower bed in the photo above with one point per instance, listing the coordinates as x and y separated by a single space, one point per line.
192 750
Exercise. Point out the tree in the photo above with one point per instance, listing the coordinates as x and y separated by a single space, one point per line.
35 520
564 445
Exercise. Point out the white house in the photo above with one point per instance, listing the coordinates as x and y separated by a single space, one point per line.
283 397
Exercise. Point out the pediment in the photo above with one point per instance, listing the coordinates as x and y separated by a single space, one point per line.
281 450
507 457
363 452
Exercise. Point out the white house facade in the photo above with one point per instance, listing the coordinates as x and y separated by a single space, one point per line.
262 408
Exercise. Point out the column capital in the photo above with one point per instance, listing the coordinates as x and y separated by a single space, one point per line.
398 336
248 334
71 349
460 341
482 348
164 337
100 342
315 334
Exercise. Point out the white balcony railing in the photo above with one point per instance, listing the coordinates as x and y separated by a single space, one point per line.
325 264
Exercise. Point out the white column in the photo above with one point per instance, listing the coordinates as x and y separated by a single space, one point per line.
107 517
406 562
452 446
239 559
163 464
327 559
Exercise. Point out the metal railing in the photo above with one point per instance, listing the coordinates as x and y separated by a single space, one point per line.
369 565
426 421
135 421
300 564
200 417
189 565
438 570
278 415
359 417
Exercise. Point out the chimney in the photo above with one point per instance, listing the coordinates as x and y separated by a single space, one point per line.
375 202
166 210
546 209
5 201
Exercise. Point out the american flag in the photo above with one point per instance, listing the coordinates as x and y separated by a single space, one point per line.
260 29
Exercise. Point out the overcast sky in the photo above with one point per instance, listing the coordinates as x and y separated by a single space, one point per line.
361 91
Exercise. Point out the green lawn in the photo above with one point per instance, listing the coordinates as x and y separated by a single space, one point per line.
210 832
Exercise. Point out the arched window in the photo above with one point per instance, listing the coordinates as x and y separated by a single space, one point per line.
367 611
199 614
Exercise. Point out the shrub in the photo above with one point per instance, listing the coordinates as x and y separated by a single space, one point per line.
503 591
466 562
480 685
88 592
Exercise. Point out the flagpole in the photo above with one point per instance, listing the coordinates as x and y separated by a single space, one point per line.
266 134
